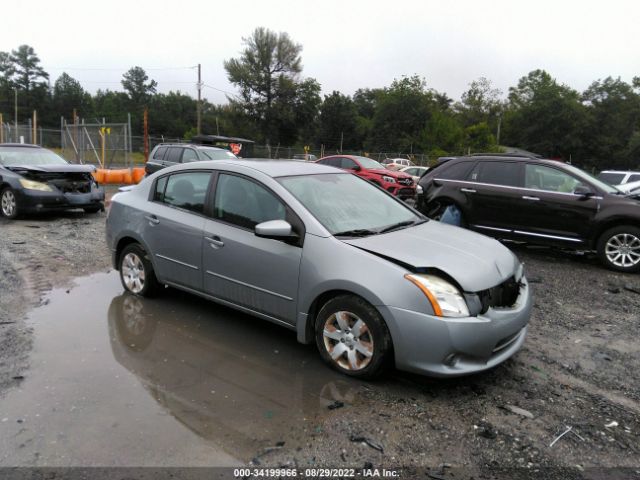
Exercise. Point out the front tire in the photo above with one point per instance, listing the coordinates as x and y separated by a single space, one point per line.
136 271
352 337
619 248
8 203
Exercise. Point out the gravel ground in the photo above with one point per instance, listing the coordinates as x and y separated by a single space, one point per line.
579 368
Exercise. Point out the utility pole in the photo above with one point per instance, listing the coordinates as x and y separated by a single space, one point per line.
341 139
199 126
498 132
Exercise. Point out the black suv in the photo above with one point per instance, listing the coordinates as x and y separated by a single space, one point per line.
537 201
169 154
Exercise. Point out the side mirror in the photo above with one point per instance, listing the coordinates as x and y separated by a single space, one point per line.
583 191
275 229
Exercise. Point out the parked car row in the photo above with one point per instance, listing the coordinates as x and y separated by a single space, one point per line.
537 201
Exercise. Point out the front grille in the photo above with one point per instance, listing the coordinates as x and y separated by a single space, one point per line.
406 191
72 186
405 181
500 296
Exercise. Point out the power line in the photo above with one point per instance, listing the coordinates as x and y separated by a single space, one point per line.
120 69
220 90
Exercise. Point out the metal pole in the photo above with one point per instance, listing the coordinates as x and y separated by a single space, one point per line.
15 106
199 105
1 130
146 134
129 132
35 127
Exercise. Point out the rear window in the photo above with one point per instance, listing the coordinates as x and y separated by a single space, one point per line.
498 173
612 178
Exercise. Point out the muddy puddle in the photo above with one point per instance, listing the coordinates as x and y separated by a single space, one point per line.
123 381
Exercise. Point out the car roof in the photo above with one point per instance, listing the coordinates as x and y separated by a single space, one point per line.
504 157
272 168
22 145
192 145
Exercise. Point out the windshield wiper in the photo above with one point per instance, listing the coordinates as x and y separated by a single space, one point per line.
358 232
406 223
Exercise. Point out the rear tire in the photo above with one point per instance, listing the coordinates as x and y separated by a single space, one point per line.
9 203
136 271
619 248
352 337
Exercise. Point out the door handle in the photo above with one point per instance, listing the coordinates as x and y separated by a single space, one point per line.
152 219
215 242
534 199
467 190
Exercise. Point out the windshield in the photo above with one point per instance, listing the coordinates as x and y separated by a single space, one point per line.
343 202
217 153
369 163
17 156
591 179
611 178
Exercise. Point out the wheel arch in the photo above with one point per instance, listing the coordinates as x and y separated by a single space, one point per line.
306 327
609 224
125 240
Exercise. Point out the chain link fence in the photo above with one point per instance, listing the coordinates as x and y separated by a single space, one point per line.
113 146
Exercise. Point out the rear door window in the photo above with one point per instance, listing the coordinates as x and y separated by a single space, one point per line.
498 173
455 171
347 163
187 190
159 154
173 155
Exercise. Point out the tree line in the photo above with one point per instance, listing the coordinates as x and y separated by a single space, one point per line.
277 105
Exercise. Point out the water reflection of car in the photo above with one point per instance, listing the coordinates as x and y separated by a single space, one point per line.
238 386
34 179
329 255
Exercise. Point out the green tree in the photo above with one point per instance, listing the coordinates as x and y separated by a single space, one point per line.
401 114
544 117
28 74
264 73
338 122
135 83
480 103
614 121
68 95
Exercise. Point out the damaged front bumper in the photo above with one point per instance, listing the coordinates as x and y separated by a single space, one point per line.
33 201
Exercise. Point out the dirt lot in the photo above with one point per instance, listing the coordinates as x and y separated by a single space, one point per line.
579 368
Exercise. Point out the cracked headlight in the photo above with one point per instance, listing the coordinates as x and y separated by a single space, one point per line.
33 185
446 300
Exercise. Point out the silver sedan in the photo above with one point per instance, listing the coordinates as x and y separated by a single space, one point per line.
327 254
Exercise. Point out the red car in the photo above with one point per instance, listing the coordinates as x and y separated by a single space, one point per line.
396 183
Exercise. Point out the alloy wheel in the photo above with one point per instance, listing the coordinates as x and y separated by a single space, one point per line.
623 250
348 340
133 273
8 203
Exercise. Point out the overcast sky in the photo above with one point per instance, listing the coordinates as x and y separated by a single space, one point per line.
347 44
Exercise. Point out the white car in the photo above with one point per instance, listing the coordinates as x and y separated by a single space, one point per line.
631 187
618 177
397 163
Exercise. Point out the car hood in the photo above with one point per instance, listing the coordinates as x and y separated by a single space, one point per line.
390 173
69 168
473 260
